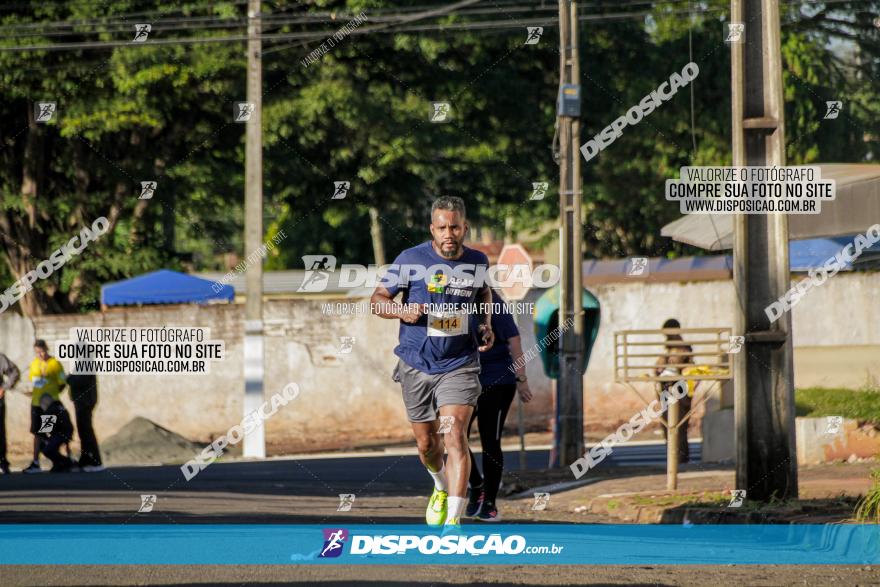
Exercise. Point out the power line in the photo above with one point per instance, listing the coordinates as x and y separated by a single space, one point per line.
327 17
91 3
549 21
477 25
305 17
202 22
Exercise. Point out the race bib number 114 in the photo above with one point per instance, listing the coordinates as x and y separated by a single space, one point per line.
447 324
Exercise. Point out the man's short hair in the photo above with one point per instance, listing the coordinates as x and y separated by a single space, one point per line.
671 323
41 344
452 203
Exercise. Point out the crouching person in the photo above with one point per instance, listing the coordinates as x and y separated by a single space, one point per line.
55 432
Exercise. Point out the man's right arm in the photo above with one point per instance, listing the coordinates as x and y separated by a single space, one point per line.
382 304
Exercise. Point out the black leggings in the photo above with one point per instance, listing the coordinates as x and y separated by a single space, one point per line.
492 407
89 452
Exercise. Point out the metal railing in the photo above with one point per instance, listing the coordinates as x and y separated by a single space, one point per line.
636 356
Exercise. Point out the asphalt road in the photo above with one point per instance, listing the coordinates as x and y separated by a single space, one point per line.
388 489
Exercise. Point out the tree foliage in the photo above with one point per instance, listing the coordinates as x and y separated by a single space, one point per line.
360 113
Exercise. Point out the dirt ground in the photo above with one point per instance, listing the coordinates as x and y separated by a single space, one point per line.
425 576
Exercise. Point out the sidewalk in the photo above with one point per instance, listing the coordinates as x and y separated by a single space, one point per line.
827 494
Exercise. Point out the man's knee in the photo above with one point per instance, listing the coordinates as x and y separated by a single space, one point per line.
456 439
428 444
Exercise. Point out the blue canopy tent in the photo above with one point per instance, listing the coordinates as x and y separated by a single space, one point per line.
164 287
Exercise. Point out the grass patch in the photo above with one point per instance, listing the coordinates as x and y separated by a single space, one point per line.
868 508
850 403
705 498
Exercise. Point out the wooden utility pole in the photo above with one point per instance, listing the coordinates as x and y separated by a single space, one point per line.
673 416
255 442
569 433
766 463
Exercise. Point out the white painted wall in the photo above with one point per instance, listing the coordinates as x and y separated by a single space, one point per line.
349 400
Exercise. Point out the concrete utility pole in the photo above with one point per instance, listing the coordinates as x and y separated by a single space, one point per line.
569 434
766 463
255 442
376 236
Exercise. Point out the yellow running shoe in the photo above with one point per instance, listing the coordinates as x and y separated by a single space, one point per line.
435 515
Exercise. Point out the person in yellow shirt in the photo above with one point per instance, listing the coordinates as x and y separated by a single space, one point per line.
47 377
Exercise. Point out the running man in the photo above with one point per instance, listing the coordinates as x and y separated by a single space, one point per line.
438 355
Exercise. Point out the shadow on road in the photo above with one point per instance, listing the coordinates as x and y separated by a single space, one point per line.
51 516
379 475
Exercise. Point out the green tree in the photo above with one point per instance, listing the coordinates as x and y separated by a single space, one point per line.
133 114
360 113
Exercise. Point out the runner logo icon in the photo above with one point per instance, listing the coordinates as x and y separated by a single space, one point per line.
334 540
148 188
735 32
735 344
534 34
637 266
242 111
439 111
539 189
346 500
43 111
141 32
147 503
340 189
833 424
47 423
346 344
833 109
737 498
318 270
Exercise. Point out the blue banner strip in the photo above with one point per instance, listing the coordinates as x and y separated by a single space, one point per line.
564 544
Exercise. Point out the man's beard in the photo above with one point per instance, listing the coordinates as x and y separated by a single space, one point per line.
450 254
